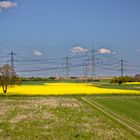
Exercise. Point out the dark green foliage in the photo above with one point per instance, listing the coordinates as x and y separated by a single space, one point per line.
93 80
52 78
122 79
26 79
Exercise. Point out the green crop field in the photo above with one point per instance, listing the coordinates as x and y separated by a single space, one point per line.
69 117
122 109
128 106
116 86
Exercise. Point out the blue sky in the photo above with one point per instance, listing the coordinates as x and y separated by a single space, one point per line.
52 27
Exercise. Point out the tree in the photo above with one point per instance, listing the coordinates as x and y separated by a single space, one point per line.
137 77
122 79
8 77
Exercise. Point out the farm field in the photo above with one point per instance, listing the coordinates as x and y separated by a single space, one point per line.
127 86
127 106
69 70
69 117
77 111
123 109
42 88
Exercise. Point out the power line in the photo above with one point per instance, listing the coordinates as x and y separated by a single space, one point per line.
89 64
86 66
93 63
12 54
43 69
66 65
122 67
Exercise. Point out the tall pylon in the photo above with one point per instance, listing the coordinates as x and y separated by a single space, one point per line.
12 61
93 63
67 66
122 67
86 68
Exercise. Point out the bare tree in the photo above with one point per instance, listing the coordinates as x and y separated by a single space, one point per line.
7 77
137 77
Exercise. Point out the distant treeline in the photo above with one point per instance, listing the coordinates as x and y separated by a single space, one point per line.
117 79
26 79
81 79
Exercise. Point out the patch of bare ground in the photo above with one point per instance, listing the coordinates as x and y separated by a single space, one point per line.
53 102
71 103
137 87
46 127
87 127
98 124
18 118
4 109
109 133
48 115
26 106
91 127
92 119
101 129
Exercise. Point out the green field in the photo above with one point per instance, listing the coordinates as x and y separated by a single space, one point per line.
122 109
129 106
92 117
69 117
116 86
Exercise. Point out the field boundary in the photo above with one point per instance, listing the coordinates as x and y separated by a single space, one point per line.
112 115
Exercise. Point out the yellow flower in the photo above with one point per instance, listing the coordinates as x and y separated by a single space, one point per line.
135 83
64 89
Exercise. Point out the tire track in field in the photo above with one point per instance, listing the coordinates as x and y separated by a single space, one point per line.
120 116
112 115
137 124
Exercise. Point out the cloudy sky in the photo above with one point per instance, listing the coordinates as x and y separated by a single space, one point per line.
55 28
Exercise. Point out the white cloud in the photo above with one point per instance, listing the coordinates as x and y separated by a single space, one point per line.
105 51
79 49
37 53
7 4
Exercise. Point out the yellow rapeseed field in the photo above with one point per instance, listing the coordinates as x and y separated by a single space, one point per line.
64 89
131 83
